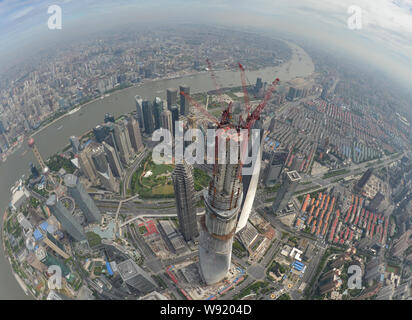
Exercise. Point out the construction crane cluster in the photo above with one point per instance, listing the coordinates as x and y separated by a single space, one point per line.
226 117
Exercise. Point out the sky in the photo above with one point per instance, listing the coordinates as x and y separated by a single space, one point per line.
385 37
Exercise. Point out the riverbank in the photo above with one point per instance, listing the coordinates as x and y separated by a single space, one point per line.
6 255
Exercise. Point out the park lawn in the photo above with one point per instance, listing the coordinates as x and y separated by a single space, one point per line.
163 190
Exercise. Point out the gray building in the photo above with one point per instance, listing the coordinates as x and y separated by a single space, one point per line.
67 221
166 120
250 181
185 201
290 182
113 159
175 117
134 134
75 143
157 111
275 167
136 277
171 97
218 225
103 170
184 101
139 111
121 136
148 121
81 197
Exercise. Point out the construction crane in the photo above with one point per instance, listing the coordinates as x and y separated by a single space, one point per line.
200 108
255 115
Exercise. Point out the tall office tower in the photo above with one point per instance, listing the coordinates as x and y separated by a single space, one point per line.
134 134
136 277
139 111
148 117
184 102
34 172
223 203
122 140
87 166
100 133
108 118
250 181
175 117
75 143
166 120
290 182
113 159
86 204
258 85
185 200
103 169
157 111
67 221
171 96
275 167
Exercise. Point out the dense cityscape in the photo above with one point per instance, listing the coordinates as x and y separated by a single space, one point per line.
330 192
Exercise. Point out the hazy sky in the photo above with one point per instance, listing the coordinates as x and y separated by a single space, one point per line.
385 38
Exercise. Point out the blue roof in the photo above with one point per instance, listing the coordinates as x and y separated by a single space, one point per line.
109 269
44 225
299 263
37 235
299 268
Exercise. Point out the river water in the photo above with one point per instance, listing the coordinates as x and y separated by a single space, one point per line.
53 138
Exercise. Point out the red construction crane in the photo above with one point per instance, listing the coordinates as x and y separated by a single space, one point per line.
255 115
200 108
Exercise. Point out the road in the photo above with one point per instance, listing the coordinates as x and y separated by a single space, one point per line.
131 170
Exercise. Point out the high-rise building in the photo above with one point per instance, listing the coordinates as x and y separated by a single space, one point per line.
136 277
148 117
86 164
103 170
175 117
67 221
75 143
86 204
100 133
258 85
251 181
218 225
185 200
157 111
113 159
184 101
123 143
275 167
166 120
134 134
54 244
139 111
108 118
290 182
171 96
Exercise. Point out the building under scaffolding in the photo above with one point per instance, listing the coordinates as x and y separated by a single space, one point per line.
223 202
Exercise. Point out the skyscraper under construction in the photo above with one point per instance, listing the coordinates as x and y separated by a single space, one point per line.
223 204
185 201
